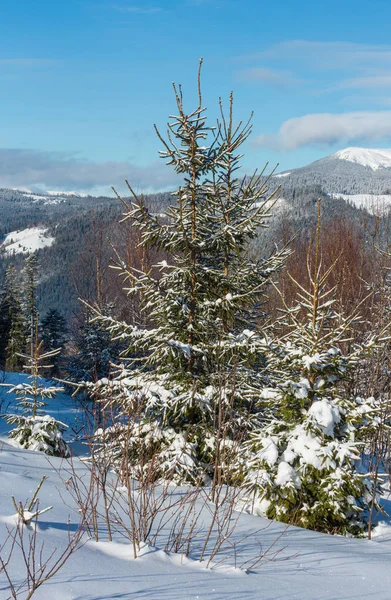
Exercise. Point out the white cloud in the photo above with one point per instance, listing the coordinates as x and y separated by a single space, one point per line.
327 129
55 170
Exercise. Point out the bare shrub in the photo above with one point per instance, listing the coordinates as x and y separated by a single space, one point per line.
23 560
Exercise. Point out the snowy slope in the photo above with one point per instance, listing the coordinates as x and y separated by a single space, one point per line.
310 566
367 157
375 204
348 171
26 241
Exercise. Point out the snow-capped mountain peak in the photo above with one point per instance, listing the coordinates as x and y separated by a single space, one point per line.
375 158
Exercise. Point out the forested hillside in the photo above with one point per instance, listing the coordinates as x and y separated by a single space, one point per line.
84 227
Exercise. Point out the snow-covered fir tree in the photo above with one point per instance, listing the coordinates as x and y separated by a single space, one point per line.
304 462
187 396
33 428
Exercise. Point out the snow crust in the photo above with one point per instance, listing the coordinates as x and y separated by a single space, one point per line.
26 241
367 157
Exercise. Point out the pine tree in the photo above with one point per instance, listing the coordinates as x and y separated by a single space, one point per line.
35 430
194 373
12 323
54 335
304 459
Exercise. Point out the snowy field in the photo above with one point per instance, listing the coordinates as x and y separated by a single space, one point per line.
375 204
309 565
26 241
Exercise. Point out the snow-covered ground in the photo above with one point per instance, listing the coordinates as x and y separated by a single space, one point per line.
26 241
375 204
310 565
283 174
62 193
46 196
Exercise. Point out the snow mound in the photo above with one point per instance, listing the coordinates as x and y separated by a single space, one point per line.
367 157
26 241
123 551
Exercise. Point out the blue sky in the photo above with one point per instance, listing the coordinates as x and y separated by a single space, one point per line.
83 81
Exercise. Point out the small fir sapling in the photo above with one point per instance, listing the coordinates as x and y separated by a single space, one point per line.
33 429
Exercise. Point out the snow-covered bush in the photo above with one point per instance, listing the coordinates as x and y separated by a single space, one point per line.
41 433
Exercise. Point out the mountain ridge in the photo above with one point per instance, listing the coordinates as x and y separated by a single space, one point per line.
67 229
349 171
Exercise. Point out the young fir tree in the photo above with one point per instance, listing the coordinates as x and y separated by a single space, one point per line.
304 460
13 329
195 377
33 429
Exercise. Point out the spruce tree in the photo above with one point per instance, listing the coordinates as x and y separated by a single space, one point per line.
194 374
304 461
33 429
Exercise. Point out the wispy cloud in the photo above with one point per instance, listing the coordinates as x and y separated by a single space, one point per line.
27 62
327 129
139 10
328 54
271 76
198 2
370 81
51 170
369 99
321 66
